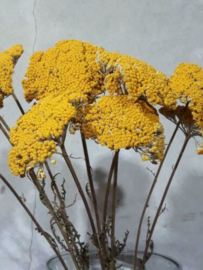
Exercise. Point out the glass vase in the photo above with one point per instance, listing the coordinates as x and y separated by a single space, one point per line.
125 261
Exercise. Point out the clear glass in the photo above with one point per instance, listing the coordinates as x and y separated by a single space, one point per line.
156 262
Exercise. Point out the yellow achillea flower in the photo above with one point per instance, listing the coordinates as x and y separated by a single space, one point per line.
187 84
68 68
80 72
86 70
119 122
34 136
8 60
128 75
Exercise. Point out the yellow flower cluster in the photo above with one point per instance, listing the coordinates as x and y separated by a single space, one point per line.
8 60
69 68
66 80
187 84
128 75
34 136
81 72
119 122
85 70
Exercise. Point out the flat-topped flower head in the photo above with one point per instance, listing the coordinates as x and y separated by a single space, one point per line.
187 84
8 59
35 135
87 70
128 75
119 122
68 68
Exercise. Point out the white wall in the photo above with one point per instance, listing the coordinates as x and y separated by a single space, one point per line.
163 33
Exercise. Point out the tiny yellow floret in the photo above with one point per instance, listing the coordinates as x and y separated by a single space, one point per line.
53 161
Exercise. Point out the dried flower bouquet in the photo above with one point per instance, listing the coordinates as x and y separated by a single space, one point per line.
112 99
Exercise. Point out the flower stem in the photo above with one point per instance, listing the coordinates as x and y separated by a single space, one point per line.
163 199
5 133
54 184
70 166
4 123
113 210
61 227
77 182
45 234
62 203
93 195
153 186
108 186
18 103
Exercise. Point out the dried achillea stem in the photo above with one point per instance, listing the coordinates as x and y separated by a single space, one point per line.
108 186
162 201
153 186
18 103
5 133
93 195
61 227
113 212
77 182
44 233
4 123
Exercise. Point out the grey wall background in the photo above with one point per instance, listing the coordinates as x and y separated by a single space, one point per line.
161 32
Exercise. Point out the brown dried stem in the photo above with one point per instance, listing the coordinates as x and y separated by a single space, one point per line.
44 233
162 201
108 186
92 189
93 195
4 123
54 183
18 103
77 182
113 212
60 226
153 186
5 133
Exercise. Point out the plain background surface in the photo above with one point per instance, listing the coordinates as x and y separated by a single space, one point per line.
161 32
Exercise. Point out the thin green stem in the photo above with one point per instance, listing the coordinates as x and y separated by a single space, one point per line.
162 200
45 234
113 212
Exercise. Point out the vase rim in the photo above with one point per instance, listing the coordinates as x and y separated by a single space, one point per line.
126 251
